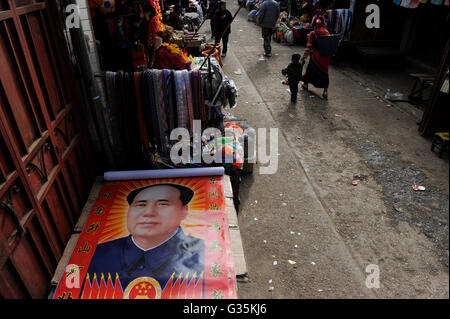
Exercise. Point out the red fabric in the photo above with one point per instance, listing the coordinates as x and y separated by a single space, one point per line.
164 59
323 61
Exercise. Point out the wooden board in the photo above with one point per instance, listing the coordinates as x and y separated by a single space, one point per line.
95 190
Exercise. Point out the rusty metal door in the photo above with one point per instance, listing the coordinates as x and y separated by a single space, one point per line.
46 168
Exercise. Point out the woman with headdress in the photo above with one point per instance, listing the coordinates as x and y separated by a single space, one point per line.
317 69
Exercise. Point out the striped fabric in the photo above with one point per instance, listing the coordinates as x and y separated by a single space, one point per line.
190 108
141 121
182 109
162 102
111 111
202 98
158 102
167 79
153 107
405 3
414 4
144 107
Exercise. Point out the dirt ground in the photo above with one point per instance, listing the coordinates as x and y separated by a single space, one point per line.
309 212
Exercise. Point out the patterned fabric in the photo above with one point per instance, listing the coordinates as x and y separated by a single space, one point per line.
162 101
146 106
190 108
142 125
202 98
182 108
130 115
111 120
168 105
339 20
158 99
153 107
194 84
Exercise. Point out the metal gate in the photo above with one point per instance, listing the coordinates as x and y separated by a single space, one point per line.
46 166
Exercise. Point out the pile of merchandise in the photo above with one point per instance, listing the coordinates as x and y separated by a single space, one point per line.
170 56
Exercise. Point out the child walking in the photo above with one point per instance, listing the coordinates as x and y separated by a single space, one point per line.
294 75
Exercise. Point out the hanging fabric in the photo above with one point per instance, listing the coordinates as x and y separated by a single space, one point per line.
405 3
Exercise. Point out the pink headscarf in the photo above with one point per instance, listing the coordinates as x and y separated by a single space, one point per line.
319 24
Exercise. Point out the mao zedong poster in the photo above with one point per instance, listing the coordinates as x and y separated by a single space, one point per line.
156 238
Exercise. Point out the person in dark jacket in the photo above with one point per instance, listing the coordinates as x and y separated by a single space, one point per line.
222 19
212 9
157 247
175 18
294 75
268 14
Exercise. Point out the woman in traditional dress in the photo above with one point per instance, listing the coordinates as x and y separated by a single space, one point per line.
317 69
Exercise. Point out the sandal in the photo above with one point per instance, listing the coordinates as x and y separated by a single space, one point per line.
305 87
325 95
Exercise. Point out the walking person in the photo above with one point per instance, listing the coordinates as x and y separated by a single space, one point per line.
222 19
176 20
212 9
317 69
269 11
294 74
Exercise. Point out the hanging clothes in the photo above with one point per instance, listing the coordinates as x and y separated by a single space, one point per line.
405 3
190 108
339 21
182 111
159 101
146 106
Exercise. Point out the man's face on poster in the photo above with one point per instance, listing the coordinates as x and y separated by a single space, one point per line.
156 212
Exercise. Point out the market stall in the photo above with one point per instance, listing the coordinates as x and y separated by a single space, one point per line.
295 24
154 83
157 89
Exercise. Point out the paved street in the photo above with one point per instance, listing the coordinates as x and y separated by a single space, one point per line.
339 229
